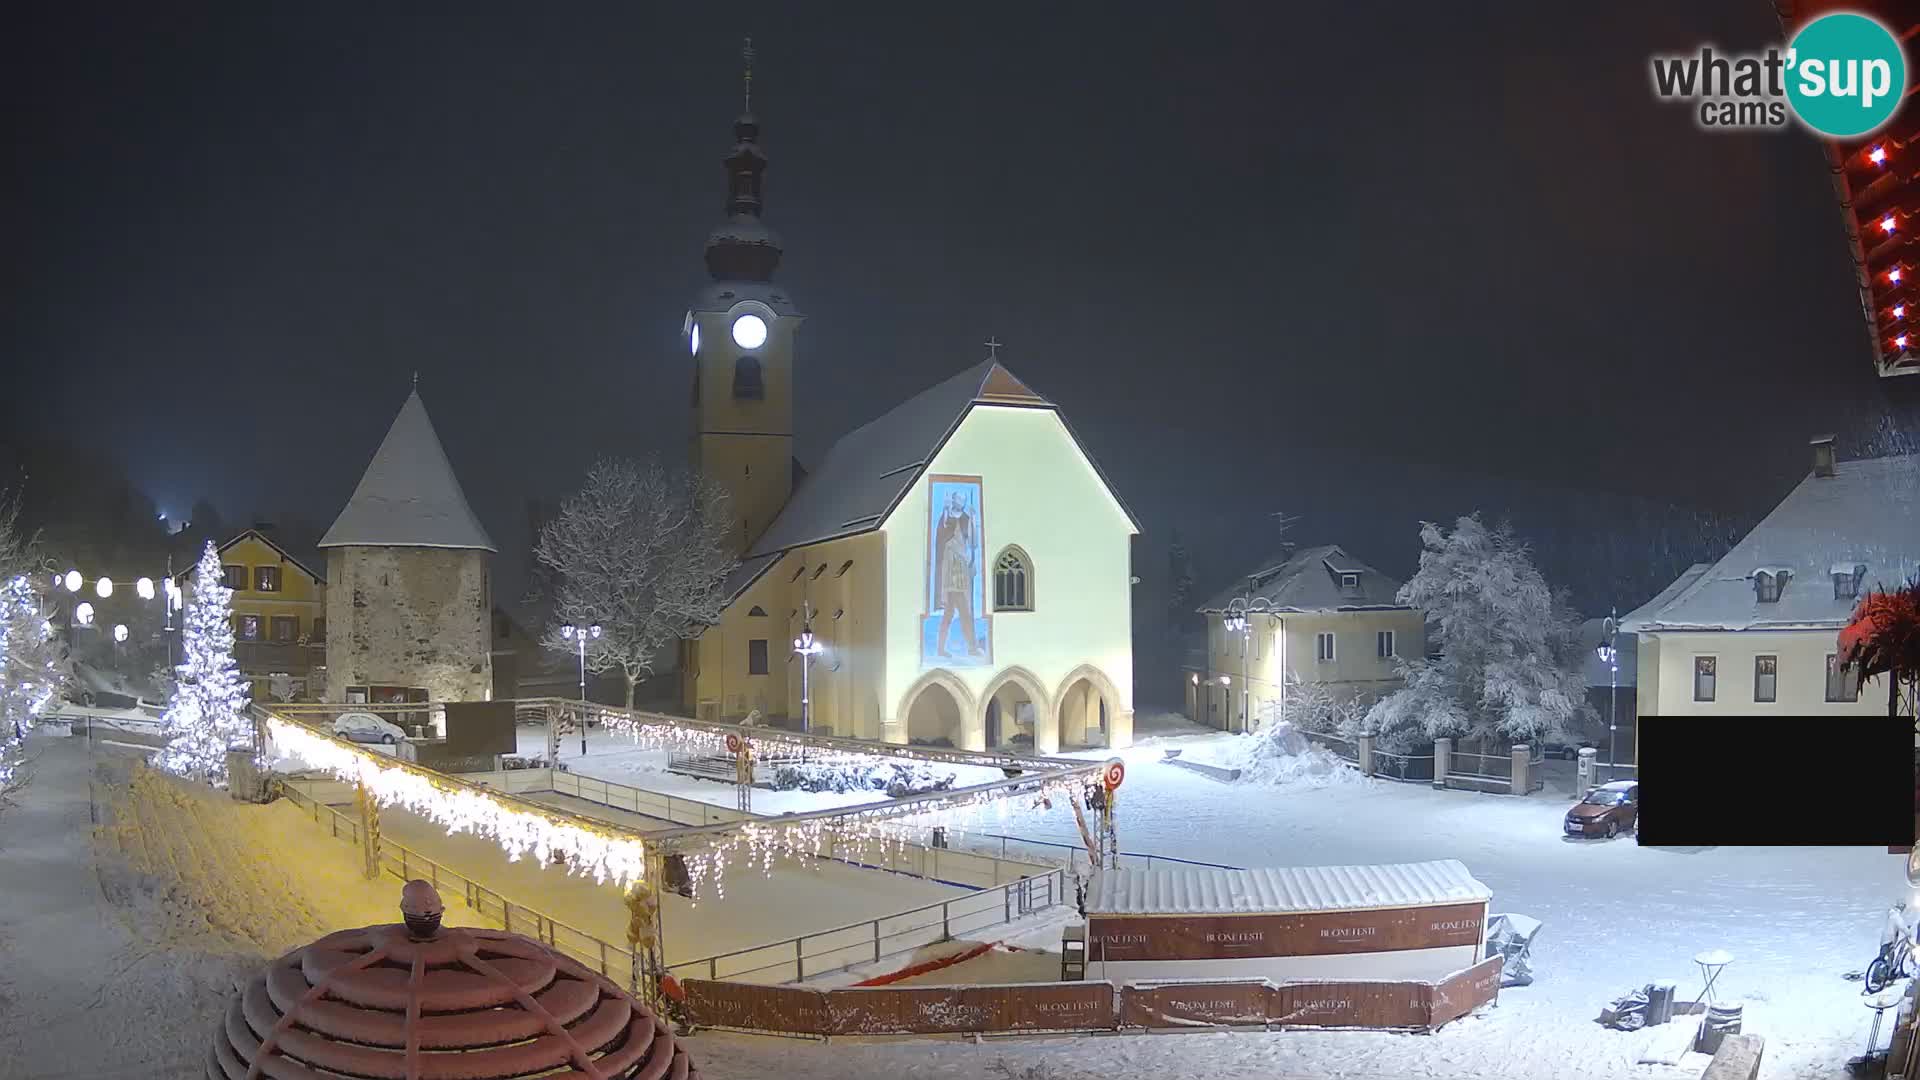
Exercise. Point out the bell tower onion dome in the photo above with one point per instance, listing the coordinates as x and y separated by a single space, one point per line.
744 249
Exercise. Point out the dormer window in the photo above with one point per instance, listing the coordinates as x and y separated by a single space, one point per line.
1350 583
1768 584
1846 581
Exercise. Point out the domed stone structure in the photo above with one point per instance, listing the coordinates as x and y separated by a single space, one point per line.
439 1003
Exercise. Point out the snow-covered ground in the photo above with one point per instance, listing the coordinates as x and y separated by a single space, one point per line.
1616 916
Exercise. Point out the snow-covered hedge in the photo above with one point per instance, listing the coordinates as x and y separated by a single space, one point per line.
897 780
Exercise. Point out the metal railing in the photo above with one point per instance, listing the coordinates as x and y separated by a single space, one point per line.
827 951
669 808
613 961
1062 853
1392 766
1480 766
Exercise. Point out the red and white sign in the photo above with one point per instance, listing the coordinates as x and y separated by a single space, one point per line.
1115 772
733 743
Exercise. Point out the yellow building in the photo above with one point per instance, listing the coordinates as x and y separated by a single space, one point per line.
1317 616
279 616
961 563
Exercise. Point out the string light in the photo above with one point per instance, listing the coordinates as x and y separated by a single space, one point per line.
1893 275
605 854
1899 311
1887 223
1878 155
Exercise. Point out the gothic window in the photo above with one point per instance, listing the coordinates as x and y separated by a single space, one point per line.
747 385
1012 581
757 611
844 567
817 572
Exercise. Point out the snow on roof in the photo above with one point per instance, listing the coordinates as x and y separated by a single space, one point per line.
1309 580
1195 890
1847 569
1867 513
408 496
865 474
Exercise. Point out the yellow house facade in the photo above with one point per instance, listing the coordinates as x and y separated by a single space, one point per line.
1319 616
279 615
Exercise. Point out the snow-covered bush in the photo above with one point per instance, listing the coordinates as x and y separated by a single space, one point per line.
896 779
1280 754
1509 668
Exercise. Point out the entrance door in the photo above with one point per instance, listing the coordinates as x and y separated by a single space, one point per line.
993 723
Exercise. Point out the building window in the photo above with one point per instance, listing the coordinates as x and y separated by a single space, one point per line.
1349 583
246 627
1840 683
1703 678
844 567
821 569
797 571
266 579
1766 678
1012 581
1767 586
1846 584
236 577
1323 646
757 656
747 385
757 612
1383 644
286 628
320 630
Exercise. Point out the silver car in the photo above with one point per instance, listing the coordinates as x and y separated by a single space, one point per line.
368 728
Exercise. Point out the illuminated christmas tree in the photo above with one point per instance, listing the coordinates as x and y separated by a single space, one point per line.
208 713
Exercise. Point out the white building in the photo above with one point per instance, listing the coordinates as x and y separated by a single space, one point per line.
961 562
1756 632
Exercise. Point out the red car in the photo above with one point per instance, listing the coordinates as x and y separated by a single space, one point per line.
1608 811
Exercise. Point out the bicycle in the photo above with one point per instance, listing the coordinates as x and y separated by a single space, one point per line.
1891 965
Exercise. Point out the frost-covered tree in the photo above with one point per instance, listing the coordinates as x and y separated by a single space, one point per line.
641 552
33 665
1509 668
1313 706
207 715
1179 586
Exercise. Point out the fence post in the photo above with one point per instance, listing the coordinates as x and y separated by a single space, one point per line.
799 959
1365 753
603 956
1442 761
876 941
1521 755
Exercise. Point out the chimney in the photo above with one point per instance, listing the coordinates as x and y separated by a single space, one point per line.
1822 455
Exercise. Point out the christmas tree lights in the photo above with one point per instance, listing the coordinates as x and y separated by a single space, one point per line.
207 715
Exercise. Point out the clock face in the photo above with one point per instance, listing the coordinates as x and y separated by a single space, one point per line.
749 331
693 340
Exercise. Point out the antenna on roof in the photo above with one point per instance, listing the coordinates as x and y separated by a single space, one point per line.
746 55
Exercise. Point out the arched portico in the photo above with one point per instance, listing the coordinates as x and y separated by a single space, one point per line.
1015 702
939 706
1088 711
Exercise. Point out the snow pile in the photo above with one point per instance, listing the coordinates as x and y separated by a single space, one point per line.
1279 755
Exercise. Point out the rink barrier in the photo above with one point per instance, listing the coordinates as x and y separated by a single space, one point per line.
825 952
1034 1008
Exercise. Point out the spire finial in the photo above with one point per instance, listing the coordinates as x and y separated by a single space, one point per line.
416 380
993 347
746 56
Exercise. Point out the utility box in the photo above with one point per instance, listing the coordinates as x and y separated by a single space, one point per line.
1586 774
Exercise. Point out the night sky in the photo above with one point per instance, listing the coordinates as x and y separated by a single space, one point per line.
1365 263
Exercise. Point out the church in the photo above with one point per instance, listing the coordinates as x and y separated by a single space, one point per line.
955 572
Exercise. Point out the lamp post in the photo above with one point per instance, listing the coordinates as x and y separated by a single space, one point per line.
580 635
806 648
1610 656
1236 622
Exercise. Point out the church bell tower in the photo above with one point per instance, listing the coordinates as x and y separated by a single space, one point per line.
740 332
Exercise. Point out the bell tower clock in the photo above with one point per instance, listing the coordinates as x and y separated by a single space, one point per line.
740 333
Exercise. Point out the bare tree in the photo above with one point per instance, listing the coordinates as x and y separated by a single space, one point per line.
641 552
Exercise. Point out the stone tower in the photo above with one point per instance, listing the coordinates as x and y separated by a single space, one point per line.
741 331
409 598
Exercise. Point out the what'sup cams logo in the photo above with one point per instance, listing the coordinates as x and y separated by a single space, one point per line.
1843 75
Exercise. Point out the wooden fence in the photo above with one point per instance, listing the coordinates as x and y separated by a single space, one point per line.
1091 1006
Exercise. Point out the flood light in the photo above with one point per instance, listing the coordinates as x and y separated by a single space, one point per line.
104 587
144 587
74 581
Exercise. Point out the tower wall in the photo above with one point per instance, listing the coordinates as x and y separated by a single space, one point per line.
411 617
745 444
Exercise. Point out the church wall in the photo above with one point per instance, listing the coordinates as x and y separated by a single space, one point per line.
1039 492
413 617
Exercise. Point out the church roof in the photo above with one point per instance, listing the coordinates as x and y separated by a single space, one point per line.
866 474
409 496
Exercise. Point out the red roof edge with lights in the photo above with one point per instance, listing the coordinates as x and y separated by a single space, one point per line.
1878 181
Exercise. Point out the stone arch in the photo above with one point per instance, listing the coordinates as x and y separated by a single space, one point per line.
1083 729
1019 678
935 720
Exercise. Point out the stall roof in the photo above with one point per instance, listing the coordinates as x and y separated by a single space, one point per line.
1195 890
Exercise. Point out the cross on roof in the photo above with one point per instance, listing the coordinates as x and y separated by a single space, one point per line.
993 348
746 54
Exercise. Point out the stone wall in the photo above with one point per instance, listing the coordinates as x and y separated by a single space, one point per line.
409 617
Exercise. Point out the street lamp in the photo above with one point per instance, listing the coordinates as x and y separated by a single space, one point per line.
1610 656
581 634
1236 622
806 648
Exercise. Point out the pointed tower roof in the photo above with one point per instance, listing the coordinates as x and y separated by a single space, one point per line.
409 496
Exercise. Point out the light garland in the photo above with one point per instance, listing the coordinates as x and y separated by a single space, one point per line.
29 669
621 859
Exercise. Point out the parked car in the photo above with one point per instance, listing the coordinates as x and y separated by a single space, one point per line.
1608 810
366 727
1570 750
